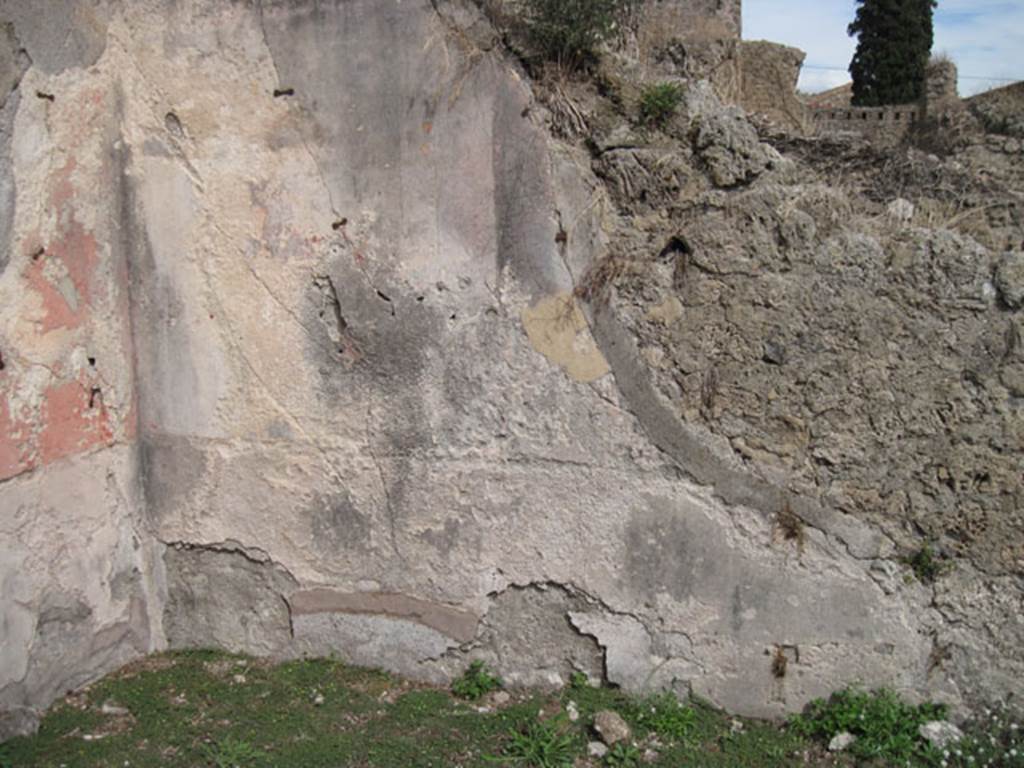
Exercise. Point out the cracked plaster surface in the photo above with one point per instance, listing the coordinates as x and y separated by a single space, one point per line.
308 315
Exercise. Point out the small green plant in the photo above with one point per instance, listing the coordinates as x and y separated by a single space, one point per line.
569 32
579 680
232 753
548 744
884 726
6 761
475 682
926 564
623 755
995 737
659 103
664 715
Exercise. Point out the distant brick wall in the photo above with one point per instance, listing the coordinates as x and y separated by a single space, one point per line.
883 124
831 111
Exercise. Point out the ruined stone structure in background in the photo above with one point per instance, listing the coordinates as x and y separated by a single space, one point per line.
769 74
295 358
832 113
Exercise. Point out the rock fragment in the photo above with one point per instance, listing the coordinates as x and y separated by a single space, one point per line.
611 727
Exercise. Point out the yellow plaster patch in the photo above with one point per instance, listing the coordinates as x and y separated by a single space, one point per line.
668 312
559 331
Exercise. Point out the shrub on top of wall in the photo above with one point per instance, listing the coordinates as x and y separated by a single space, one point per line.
569 32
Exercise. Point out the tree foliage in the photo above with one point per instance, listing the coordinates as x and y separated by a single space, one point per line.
894 42
570 31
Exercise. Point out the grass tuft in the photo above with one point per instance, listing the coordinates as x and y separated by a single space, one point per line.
548 744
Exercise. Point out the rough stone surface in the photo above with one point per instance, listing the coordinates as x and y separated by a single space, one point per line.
18 721
611 727
841 742
305 350
1010 280
769 73
218 598
725 142
940 733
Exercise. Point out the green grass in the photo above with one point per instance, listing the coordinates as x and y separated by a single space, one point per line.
213 710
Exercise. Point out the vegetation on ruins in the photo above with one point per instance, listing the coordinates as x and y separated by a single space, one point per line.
569 32
894 43
659 103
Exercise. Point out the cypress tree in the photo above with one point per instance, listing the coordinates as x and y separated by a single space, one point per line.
894 42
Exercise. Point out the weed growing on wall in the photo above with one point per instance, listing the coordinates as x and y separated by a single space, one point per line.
659 103
476 681
926 564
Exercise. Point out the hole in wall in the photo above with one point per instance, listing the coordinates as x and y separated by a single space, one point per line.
339 224
45 96
38 253
173 125
2 364
675 247
279 92
95 395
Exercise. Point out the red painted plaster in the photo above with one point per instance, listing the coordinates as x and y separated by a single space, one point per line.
70 425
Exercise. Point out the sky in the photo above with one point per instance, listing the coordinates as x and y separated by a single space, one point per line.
984 37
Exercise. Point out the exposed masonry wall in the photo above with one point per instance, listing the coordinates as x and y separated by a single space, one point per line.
292 364
769 75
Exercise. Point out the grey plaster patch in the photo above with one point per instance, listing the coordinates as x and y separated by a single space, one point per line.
338 525
528 635
18 721
171 468
72 33
378 641
71 648
224 599
8 190
631 659
13 61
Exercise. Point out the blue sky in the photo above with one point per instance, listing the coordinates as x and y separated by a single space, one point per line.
984 37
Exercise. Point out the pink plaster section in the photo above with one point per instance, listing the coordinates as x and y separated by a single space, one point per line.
74 421
76 250
68 415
